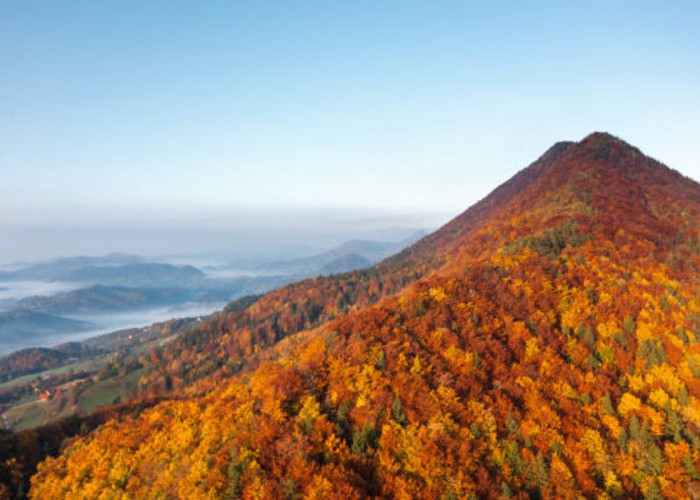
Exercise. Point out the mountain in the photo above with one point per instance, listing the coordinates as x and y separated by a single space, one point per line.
36 359
373 251
226 289
100 298
119 306
543 344
369 251
345 263
51 269
20 323
140 274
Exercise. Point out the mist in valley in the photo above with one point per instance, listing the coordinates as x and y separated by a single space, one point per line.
237 254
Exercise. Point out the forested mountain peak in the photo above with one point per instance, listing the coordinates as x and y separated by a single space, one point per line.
605 146
544 343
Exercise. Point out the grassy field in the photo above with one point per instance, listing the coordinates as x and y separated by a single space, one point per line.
144 348
100 393
92 365
28 412
89 365
27 416
106 392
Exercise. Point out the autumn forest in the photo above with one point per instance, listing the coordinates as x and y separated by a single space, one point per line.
543 344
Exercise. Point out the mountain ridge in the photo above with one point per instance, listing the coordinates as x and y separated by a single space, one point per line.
465 238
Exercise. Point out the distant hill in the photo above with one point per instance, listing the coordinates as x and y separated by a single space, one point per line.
38 359
369 251
49 270
19 323
139 274
101 298
227 289
98 299
345 263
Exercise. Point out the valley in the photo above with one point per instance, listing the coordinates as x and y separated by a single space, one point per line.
92 343
274 250
75 298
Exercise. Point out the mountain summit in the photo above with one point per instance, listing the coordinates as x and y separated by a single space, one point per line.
544 343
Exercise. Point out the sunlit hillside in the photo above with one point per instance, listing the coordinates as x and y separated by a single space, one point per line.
545 343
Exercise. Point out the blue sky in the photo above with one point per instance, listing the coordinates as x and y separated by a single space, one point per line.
119 110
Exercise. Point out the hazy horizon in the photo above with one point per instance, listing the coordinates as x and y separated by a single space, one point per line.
228 236
132 116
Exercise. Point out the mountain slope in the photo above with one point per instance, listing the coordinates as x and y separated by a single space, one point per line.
551 349
221 347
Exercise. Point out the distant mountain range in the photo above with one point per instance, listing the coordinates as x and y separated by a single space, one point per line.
349 256
129 270
139 274
33 325
124 283
52 269
345 263
101 298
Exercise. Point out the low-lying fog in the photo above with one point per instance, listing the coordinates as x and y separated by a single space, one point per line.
12 291
223 244
107 323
